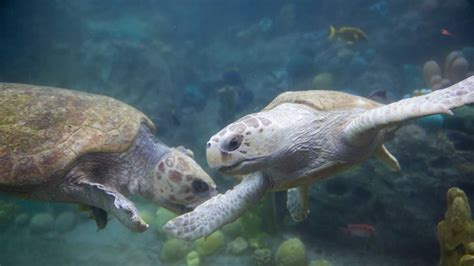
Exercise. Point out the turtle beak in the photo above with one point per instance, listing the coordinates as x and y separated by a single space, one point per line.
214 155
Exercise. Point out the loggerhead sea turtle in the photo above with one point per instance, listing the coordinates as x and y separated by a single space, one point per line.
70 146
302 137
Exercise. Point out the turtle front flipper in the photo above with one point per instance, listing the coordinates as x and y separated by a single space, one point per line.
297 203
108 199
219 210
437 102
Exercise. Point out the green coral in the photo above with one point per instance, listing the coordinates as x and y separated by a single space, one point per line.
237 246
251 223
209 245
456 232
192 259
174 250
233 229
260 241
262 257
291 252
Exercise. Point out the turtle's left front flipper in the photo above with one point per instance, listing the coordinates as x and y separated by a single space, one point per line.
107 199
219 210
437 102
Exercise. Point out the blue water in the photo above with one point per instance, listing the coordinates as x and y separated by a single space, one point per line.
195 66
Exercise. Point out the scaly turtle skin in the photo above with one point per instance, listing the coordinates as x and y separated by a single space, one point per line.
70 146
302 137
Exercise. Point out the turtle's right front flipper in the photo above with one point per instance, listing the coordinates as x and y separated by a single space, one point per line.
219 210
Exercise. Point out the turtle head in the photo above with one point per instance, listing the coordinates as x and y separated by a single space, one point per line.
244 146
181 184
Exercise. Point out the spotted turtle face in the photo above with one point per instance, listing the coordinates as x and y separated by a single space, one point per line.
244 146
181 183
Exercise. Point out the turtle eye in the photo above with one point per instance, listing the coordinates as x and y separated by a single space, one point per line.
233 143
199 186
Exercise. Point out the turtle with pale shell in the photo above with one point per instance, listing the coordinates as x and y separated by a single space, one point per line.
71 146
302 137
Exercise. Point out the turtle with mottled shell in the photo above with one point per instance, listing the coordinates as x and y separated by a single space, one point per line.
302 137
69 146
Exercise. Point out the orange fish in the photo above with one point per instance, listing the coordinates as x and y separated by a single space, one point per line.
358 230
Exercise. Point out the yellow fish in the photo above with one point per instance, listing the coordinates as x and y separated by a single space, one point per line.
350 35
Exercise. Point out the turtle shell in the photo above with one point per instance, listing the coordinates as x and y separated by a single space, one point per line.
323 100
43 130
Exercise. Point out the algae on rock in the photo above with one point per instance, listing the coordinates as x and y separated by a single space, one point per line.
291 252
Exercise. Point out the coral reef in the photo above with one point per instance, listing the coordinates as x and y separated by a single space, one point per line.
233 229
174 250
259 241
291 252
263 257
237 246
456 232
209 245
192 259
251 222
455 69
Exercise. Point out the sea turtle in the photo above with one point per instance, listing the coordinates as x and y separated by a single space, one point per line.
302 137
71 146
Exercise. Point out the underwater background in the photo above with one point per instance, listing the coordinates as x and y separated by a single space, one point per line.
194 66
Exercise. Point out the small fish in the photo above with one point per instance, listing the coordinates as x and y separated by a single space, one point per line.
446 32
358 230
349 35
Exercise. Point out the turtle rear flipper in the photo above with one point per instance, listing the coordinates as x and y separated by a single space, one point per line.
297 203
219 210
107 199
437 102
